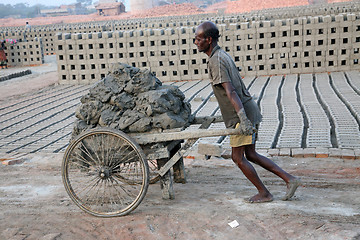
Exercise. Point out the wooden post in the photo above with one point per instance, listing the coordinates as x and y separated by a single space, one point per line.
166 181
179 169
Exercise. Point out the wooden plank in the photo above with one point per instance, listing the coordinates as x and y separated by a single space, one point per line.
166 167
186 134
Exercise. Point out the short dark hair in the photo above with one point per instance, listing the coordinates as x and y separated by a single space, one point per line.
210 30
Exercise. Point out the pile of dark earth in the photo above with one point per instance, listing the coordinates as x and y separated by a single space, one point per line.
132 100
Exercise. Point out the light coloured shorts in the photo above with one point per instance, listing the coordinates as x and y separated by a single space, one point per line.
243 140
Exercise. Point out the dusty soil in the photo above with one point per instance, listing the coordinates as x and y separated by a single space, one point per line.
42 76
35 205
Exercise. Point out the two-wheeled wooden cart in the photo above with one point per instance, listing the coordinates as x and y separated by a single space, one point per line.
107 172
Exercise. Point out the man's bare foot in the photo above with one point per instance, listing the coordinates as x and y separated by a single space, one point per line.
292 185
260 198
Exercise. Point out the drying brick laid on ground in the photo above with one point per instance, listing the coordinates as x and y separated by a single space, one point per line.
132 100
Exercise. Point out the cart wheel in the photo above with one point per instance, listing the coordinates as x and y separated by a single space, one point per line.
105 172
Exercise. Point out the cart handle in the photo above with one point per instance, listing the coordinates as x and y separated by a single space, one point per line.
143 138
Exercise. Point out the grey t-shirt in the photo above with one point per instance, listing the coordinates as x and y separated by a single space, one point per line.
222 69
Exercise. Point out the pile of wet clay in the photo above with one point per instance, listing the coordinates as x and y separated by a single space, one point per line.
132 100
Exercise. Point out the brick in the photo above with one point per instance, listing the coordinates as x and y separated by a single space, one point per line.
274 152
348 154
226 153
297 152
321 152
263 152
309 152
284 152
210 149
13 162
335 152
357 153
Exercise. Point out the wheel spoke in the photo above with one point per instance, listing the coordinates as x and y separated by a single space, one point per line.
124 190
128 160
85 150
117 150
105 173
95 147
117 192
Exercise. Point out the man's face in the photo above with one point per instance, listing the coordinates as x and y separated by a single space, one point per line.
202 43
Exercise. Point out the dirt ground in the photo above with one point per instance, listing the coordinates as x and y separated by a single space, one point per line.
35 205
42 76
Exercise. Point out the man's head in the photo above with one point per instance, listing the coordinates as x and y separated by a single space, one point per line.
206 37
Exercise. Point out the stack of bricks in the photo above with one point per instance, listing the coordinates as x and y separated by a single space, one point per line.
25 53
285 42
288 46
48 32
83 58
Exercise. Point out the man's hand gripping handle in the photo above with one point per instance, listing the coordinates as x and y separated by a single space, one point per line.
246 126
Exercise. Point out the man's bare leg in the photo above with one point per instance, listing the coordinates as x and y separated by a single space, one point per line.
291 181
249 171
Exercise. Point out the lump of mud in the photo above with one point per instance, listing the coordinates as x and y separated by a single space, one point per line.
132 100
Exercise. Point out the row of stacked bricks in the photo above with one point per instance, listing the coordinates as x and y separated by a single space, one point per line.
308 10
300 45
25 53
48 32
169 53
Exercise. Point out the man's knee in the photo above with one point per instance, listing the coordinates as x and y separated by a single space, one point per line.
237 154
251 155
234 157
238 159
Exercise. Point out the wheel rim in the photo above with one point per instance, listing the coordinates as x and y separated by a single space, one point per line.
105 173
